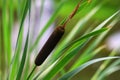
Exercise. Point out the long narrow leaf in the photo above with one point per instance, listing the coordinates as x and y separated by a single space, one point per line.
109 70
23 59
87 35
101 68
14 64
25 50
74 72
6 55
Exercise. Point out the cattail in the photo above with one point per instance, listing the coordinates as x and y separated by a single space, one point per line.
53 39
49 45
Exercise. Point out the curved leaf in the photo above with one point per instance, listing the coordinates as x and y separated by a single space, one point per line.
75 71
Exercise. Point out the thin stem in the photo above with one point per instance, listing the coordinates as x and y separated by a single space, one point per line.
31 72
72 14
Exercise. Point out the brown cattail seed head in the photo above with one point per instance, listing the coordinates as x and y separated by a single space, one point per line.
49 45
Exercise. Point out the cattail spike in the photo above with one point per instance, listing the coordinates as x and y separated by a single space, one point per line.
49 45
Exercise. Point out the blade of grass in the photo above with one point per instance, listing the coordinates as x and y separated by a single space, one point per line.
22 64
0 49
2 55
70 53
87 35
6 55
18 47
10 30
109 70
15 60
27 66
80 68
103 66
14 65
5 30
107 20
23 58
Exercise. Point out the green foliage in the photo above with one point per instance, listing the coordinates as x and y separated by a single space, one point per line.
73 44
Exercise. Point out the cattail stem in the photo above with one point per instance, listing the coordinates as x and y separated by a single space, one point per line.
31 73
72 14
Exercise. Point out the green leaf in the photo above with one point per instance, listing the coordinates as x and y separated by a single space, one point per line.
109 70
23 59
5 32
87 35
103 66
6 48
80 68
